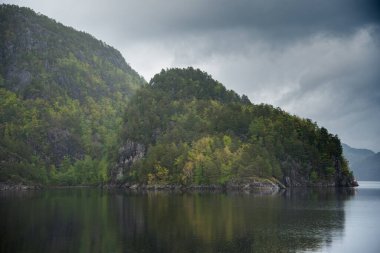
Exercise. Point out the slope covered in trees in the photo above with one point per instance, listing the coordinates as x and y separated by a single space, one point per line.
62 97
186 128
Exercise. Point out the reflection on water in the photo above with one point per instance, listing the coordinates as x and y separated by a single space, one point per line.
92 220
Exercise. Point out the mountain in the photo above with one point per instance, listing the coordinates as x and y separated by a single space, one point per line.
62 98
355 155
185 128
365 163
368 168
73 112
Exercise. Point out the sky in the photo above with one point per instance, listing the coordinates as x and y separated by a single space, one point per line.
315 59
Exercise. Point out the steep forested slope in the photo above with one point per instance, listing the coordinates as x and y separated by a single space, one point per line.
186 128
62 97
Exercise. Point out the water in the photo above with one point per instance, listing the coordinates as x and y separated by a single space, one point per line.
91 220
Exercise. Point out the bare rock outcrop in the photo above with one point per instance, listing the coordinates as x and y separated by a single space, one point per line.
128 154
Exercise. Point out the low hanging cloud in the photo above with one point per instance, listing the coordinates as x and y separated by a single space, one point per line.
316 59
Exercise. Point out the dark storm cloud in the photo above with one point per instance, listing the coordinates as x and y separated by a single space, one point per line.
277 19
273 21
343 92
314 58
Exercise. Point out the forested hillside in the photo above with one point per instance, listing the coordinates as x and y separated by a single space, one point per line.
186 128
62 97
73 112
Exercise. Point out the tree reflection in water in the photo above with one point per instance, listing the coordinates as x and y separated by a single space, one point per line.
92 220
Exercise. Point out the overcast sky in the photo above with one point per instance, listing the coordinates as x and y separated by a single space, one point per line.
318 59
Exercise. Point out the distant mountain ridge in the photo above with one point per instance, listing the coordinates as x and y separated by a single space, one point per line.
355 155
364 162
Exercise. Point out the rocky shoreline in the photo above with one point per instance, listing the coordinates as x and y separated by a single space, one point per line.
11 186
248 185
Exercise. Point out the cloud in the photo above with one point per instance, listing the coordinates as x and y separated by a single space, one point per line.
341 88
331 79
152 19
316 59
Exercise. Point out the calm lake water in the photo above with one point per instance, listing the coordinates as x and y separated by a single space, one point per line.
92 220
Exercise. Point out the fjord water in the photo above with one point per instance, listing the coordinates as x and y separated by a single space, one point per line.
92 220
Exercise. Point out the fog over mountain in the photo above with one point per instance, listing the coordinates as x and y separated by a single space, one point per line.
315 59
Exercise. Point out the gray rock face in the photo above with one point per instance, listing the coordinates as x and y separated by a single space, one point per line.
63 143
9 186
341 179
129 153
248 185
294 177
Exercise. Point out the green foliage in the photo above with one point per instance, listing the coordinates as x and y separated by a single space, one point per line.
203 134
313 176
159 175
62 100
63 96
191 84
41 133
87 171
